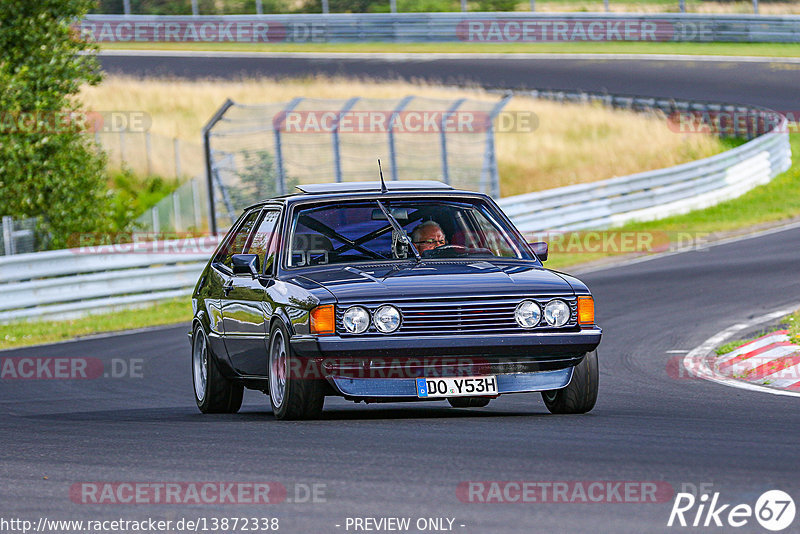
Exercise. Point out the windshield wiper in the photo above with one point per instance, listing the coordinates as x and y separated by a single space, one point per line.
399 229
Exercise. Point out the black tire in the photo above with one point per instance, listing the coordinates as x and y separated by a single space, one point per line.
581 393
468 402
291 397
214 393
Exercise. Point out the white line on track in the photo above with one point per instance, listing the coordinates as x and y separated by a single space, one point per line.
696 362
433 56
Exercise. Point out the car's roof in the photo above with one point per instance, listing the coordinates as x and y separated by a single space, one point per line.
366 190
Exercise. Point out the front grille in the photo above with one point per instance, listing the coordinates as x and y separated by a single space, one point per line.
473 316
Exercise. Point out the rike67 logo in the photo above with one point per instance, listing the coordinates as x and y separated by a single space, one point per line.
774 510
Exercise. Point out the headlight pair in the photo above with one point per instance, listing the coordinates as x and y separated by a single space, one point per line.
528 313
386 319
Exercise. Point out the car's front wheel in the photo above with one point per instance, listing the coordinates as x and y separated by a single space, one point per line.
292 395
581 393
213 392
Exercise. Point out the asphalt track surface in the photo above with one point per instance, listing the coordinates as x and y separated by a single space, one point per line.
770 83
407 460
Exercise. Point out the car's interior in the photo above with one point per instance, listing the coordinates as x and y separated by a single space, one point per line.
361 231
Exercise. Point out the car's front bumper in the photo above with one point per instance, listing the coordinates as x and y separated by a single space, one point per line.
406 388
543 345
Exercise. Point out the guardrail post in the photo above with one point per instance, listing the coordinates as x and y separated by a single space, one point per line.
276 130
755 7
195 10
443 138
682 6
393 6
337 159
8 235
259 7
605 4
533 5
126 7
325 7
392 154
464 5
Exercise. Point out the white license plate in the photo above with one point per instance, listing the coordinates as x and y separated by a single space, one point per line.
463 386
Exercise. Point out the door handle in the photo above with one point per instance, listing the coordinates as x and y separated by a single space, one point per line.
227 287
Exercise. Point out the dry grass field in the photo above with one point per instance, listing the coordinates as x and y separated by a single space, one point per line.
573 143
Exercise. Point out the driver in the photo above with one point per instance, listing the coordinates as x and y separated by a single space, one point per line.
427 236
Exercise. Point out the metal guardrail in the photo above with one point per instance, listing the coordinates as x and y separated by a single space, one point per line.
445 27
72 282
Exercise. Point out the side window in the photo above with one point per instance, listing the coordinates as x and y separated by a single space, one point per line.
236 243
262 238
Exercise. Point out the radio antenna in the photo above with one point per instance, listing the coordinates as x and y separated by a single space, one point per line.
383 184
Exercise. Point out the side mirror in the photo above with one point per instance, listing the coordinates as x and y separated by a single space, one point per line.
245 264
540 249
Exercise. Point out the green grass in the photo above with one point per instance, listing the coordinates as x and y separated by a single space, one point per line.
714 49
779 200
20 334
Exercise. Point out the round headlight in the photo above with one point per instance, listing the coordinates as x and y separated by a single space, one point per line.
356 320
527 314
387 319
556 313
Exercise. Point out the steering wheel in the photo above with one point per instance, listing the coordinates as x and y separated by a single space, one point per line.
445 251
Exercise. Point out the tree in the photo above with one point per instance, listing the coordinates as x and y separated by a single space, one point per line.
49 167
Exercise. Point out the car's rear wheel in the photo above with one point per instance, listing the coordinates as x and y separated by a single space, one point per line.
581 393
213 392
468 402
292 397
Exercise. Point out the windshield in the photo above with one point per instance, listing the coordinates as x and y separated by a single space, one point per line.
360 231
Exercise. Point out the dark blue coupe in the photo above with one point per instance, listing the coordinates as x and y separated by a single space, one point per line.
410 292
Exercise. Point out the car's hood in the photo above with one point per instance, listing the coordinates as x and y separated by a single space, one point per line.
439 278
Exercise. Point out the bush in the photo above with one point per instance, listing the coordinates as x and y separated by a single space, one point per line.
53 173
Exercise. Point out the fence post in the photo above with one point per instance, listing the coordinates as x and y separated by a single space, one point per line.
464 5
489 158
533 5
393 6
682 5
148 153
337 157
259 7
325 7
212 214
122 148
176 146
755 7
195 10
276 130
196 205
126 7
443 139
8 235
176 209
156 222
392 154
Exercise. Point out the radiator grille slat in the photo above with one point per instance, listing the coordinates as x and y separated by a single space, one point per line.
476 316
